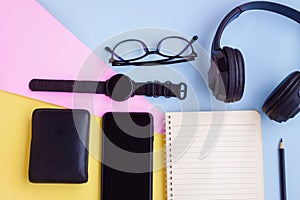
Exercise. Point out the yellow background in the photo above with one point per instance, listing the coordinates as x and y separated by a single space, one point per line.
15 136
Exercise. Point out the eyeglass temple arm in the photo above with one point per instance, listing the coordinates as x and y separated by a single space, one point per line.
112 52
189 44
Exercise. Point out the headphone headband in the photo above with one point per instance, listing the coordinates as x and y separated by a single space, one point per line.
256 5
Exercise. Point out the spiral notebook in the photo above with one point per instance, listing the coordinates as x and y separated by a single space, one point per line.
214 156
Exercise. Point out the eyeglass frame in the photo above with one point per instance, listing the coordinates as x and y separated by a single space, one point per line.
168 60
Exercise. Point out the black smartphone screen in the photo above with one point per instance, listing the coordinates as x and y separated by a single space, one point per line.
127 148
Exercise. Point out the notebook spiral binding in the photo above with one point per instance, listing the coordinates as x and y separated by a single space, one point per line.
169 160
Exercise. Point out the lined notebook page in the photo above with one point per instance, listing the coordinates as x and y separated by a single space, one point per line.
214 156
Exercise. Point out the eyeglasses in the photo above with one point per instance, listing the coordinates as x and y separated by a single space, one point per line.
173 49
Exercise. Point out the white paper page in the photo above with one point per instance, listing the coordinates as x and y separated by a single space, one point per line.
214 156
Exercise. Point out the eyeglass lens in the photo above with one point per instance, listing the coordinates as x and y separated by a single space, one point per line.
175 46
129 49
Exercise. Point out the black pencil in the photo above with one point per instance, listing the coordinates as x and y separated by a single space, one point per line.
282 171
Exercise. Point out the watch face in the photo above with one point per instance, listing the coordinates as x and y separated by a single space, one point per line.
119 87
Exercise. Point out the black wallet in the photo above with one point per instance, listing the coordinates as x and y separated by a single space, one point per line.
59 146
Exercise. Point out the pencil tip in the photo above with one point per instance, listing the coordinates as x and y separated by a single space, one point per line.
281 144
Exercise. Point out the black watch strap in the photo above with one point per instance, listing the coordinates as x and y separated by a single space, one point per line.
156 89
119 87
68 86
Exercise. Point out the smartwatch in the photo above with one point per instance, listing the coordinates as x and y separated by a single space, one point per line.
119 87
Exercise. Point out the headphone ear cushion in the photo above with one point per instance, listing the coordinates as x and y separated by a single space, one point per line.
240 80
283 103
232 76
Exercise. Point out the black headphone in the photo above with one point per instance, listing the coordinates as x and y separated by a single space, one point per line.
226 75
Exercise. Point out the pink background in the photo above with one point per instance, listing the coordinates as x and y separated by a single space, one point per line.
35 45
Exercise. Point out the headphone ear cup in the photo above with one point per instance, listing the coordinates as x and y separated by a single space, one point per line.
240 80
283 103
226 75
218 75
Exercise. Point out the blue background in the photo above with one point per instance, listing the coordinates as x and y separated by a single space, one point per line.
269 42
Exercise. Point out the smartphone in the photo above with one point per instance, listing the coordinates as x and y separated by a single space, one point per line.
127 161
